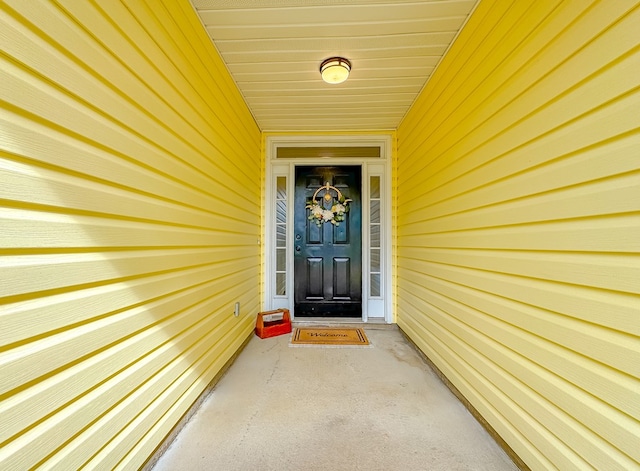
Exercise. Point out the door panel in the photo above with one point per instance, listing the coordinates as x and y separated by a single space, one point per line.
328 257
314 278
341 278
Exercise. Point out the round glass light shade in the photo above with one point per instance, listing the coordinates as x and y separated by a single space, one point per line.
335 70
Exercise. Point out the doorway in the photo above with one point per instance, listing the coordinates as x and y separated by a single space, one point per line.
328 241
371 271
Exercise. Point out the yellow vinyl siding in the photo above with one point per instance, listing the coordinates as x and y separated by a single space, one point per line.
130 193
518 186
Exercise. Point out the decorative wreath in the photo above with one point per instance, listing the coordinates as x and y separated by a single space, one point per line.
339 206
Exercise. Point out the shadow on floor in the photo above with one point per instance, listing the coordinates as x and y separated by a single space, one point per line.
312 408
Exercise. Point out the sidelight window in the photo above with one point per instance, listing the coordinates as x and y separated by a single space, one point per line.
375 246
281 236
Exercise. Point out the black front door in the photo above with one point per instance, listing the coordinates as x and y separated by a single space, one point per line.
328 255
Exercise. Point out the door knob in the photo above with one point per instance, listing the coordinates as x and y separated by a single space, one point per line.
297 248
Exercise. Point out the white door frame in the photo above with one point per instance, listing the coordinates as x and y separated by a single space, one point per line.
373 307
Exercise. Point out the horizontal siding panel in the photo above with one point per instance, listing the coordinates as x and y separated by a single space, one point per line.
583 201
475 56
518 260
535 76
47 103
562 402
191 381
617 234
486 185
97 168
55 351
616 118
148 171
588 448
130 211
612 272
608 309
26 186
529 164
145 87
51 104
582 370
614 348
166 319
192 55
57 271
513 422
28 229
40 315
104 399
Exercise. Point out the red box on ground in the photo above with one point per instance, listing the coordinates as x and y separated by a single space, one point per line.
273 323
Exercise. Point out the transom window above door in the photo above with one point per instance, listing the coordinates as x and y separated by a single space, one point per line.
327 152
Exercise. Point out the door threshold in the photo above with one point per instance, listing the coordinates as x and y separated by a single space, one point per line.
375 323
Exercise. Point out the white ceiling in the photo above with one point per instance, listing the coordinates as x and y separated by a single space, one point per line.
273 50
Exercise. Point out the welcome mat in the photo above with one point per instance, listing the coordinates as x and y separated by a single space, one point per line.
330 337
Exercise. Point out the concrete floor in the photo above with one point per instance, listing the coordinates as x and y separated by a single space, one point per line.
312 408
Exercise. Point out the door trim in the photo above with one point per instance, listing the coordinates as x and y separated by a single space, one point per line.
373 307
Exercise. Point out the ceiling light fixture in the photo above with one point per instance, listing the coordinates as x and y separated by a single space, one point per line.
335 70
